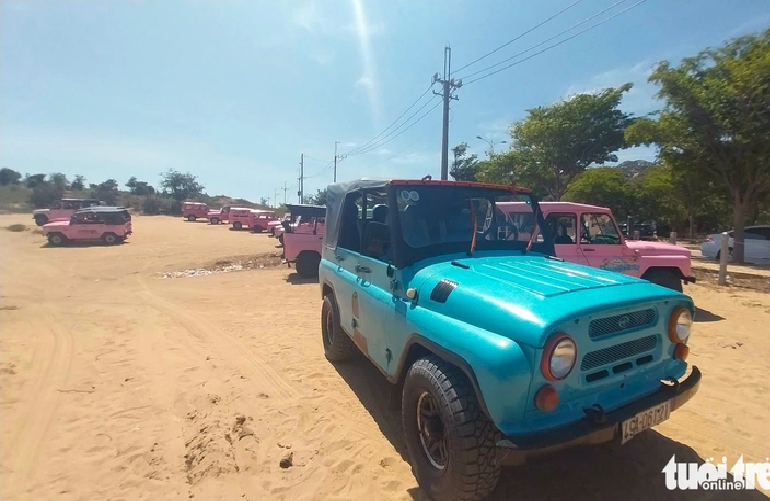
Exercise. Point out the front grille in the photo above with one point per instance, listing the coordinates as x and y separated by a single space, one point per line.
620 351
618 323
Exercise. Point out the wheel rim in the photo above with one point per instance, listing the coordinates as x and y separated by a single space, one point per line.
329 328
433 436
56 239
110 239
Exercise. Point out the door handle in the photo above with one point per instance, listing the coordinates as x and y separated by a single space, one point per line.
588 250
339 258
363 269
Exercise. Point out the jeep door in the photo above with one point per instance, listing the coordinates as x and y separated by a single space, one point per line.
565 229
375 297
602 244
346 256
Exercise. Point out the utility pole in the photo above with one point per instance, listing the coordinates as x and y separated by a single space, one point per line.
301 177
285 190
448 85
275 198
335 160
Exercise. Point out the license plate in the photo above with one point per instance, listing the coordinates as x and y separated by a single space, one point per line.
645 420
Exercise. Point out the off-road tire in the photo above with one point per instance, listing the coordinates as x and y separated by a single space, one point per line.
338 346
237 225
191 218
258 229
472 469
110 238
664 278
214 220
57 239
41 220
307 264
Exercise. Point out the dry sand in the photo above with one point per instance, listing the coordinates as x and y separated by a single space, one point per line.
120 385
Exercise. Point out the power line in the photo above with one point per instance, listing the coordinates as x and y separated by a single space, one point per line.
363 146
560 34
316 159
546 48
390 136
509 42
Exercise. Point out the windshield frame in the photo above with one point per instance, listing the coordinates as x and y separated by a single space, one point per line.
406 255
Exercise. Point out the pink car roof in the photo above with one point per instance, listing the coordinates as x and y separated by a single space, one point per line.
551 207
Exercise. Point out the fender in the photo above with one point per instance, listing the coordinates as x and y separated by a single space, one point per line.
682 263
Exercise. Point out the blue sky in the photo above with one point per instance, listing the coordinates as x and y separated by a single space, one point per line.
234 91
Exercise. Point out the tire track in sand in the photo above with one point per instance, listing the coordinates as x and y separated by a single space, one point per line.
50 364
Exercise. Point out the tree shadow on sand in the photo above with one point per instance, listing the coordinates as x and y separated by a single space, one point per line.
632 472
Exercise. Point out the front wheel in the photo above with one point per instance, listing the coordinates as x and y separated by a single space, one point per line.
258 229
191 218
450 441
237 225
214 220
57 239
664 278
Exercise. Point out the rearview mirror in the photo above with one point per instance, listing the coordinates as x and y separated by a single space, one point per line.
376 239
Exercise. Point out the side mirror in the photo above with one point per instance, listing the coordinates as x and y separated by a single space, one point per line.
376 239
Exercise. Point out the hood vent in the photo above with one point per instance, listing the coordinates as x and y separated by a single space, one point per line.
442 290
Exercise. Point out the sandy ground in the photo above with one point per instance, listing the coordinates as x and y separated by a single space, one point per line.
119 385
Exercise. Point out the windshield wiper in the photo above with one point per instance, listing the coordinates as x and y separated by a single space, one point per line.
473 237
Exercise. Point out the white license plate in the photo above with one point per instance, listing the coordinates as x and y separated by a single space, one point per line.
645 420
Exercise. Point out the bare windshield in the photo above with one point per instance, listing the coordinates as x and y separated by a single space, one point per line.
441 215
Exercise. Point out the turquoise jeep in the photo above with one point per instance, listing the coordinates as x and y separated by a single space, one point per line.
499 350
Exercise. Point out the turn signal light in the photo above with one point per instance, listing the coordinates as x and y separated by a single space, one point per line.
681 351
546 398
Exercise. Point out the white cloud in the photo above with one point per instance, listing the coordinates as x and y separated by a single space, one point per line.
323 58
308 17
364 81
383 151
369 30
639 100
350 144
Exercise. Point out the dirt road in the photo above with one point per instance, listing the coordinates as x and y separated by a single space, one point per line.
117 384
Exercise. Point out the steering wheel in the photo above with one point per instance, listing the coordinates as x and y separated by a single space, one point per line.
503 224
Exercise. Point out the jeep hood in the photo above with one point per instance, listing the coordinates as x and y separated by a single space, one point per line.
526 297
56 224
657 248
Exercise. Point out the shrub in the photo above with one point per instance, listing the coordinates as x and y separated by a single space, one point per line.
155 206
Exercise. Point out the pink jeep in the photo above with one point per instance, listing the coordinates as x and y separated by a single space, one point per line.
63 209
256 219
195 210
223 214
111 225
302 240
596 241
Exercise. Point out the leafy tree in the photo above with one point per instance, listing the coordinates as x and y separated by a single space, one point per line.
44 194
716 120
60 180
33 180
603 186
463 167
318 199
79 183
180 186
9 176
131 184
554 144
155 205
141 188
106 191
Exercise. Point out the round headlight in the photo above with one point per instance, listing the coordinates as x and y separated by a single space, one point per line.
680 325
559 357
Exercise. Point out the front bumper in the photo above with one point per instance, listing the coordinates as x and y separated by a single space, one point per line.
597 427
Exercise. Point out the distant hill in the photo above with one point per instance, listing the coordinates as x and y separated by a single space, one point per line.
633 168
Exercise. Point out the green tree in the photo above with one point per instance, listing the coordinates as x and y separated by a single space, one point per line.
463 166
181 186
60 180
79 183
716 120
554 144
33 180
9 176
318 199
603 186
45 193
131 184
106 191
